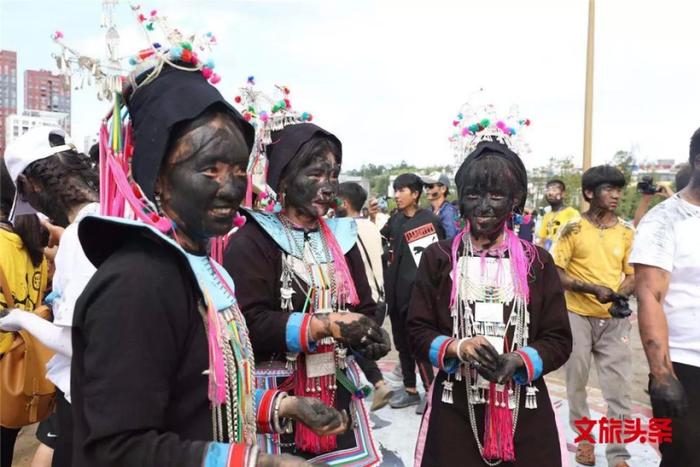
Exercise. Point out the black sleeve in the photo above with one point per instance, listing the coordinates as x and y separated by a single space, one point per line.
367 305
129 336
553 336
254 263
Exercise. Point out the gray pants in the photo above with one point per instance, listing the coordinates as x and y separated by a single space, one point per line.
607 340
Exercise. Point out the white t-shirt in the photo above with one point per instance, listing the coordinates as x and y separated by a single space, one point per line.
73 271
667 238
372 241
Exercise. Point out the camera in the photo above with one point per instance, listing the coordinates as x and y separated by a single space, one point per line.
647 186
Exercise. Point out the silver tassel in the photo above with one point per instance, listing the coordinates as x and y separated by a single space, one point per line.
291 361
531 397
341 354
511 399
447 392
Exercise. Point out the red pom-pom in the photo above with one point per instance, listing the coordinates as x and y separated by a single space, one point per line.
455 122
207 72
311 117
285 89
194 59
247 117
141 17
527 122
288 104
186 55
214 78
237 99
239 221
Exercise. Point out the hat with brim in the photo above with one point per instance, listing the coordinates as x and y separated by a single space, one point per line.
32 146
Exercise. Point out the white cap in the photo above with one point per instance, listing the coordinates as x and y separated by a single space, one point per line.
28 148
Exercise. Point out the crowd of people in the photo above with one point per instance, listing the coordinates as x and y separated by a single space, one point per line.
164 353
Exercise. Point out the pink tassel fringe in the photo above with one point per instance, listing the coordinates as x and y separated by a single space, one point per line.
343 279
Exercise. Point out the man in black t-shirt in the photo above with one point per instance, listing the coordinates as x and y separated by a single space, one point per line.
408 232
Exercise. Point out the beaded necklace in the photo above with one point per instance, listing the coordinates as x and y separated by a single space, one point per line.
476 284
236 370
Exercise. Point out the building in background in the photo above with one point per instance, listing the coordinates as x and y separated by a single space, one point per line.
45 91
17 125
8 91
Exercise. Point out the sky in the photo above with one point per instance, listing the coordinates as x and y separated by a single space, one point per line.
388 77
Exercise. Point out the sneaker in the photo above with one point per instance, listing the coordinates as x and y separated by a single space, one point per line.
396 376
420 408
381 397
404 399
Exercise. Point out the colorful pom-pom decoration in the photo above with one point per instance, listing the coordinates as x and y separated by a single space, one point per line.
142 18
237 99
154 12
58 35
133 61
150 26
465 131
247 116
485 122
156 45
264 117
251 80
277 208
238 220
207 72
210 64
264 195
186 45
176 52
186 55
455 122
214 78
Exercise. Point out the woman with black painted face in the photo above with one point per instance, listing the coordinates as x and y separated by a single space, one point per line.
488 310
163 364
305 295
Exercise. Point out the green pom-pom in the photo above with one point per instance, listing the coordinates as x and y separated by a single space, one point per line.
149 26
485 122
186 45
251 108
275 108
474 128
282 104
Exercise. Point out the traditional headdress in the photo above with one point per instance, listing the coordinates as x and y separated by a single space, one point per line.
268 115
170 83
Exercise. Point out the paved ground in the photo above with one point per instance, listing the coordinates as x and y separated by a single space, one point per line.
396 430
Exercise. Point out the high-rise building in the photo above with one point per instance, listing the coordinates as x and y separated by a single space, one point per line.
8 90
46 91
17 125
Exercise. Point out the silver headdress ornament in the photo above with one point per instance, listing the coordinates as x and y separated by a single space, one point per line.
474 125
165 45
267 114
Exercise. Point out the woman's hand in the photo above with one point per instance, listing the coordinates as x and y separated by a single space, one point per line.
508 364
479 352
322 420
355 330
12 320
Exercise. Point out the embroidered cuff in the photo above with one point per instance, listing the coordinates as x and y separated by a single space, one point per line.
533 366
298 334
264 403
216 455
438 348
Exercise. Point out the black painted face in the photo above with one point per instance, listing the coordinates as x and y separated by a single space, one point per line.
312 189
203 181
486 202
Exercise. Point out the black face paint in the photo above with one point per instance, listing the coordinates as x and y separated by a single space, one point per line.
486 202
312 189
203 181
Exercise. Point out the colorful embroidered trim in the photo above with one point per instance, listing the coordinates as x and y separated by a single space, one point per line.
438 349
533 366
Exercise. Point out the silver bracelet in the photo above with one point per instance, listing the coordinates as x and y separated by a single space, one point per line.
459 353
286 425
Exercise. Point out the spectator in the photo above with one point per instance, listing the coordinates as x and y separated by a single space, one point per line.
54 179
353 197
682 179
559 216
409 231
592 255
437 192
24 269
666 261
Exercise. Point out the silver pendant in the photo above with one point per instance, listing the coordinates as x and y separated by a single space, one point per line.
447 392
342 354
511 399
531 397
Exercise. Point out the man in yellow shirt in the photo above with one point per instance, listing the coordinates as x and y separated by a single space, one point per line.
558 217
592 255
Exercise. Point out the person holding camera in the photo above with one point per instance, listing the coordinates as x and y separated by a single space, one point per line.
592 254
666 261
648 189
